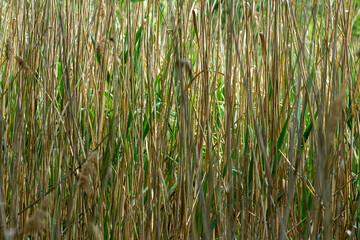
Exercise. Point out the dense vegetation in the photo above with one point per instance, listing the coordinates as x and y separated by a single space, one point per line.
178 119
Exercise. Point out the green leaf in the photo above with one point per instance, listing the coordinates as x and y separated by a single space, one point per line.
61 83
280 143
172 189
281 138
138 34
307 132
356 26
146 128
129 121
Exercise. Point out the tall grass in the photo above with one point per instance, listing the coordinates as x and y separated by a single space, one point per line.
211 119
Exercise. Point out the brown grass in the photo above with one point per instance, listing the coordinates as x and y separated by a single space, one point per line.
211 119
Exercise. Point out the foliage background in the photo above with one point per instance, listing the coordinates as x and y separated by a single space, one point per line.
179 119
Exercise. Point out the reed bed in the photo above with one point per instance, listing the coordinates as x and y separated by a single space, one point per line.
179 119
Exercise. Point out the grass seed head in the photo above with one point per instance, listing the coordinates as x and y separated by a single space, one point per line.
96 232
334 117
85 176
9 48
38 220
102 9
100 46
22 63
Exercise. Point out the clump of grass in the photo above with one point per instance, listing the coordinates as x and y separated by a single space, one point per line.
179 119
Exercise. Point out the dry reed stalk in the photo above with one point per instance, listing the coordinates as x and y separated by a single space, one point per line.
194 158
332 121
